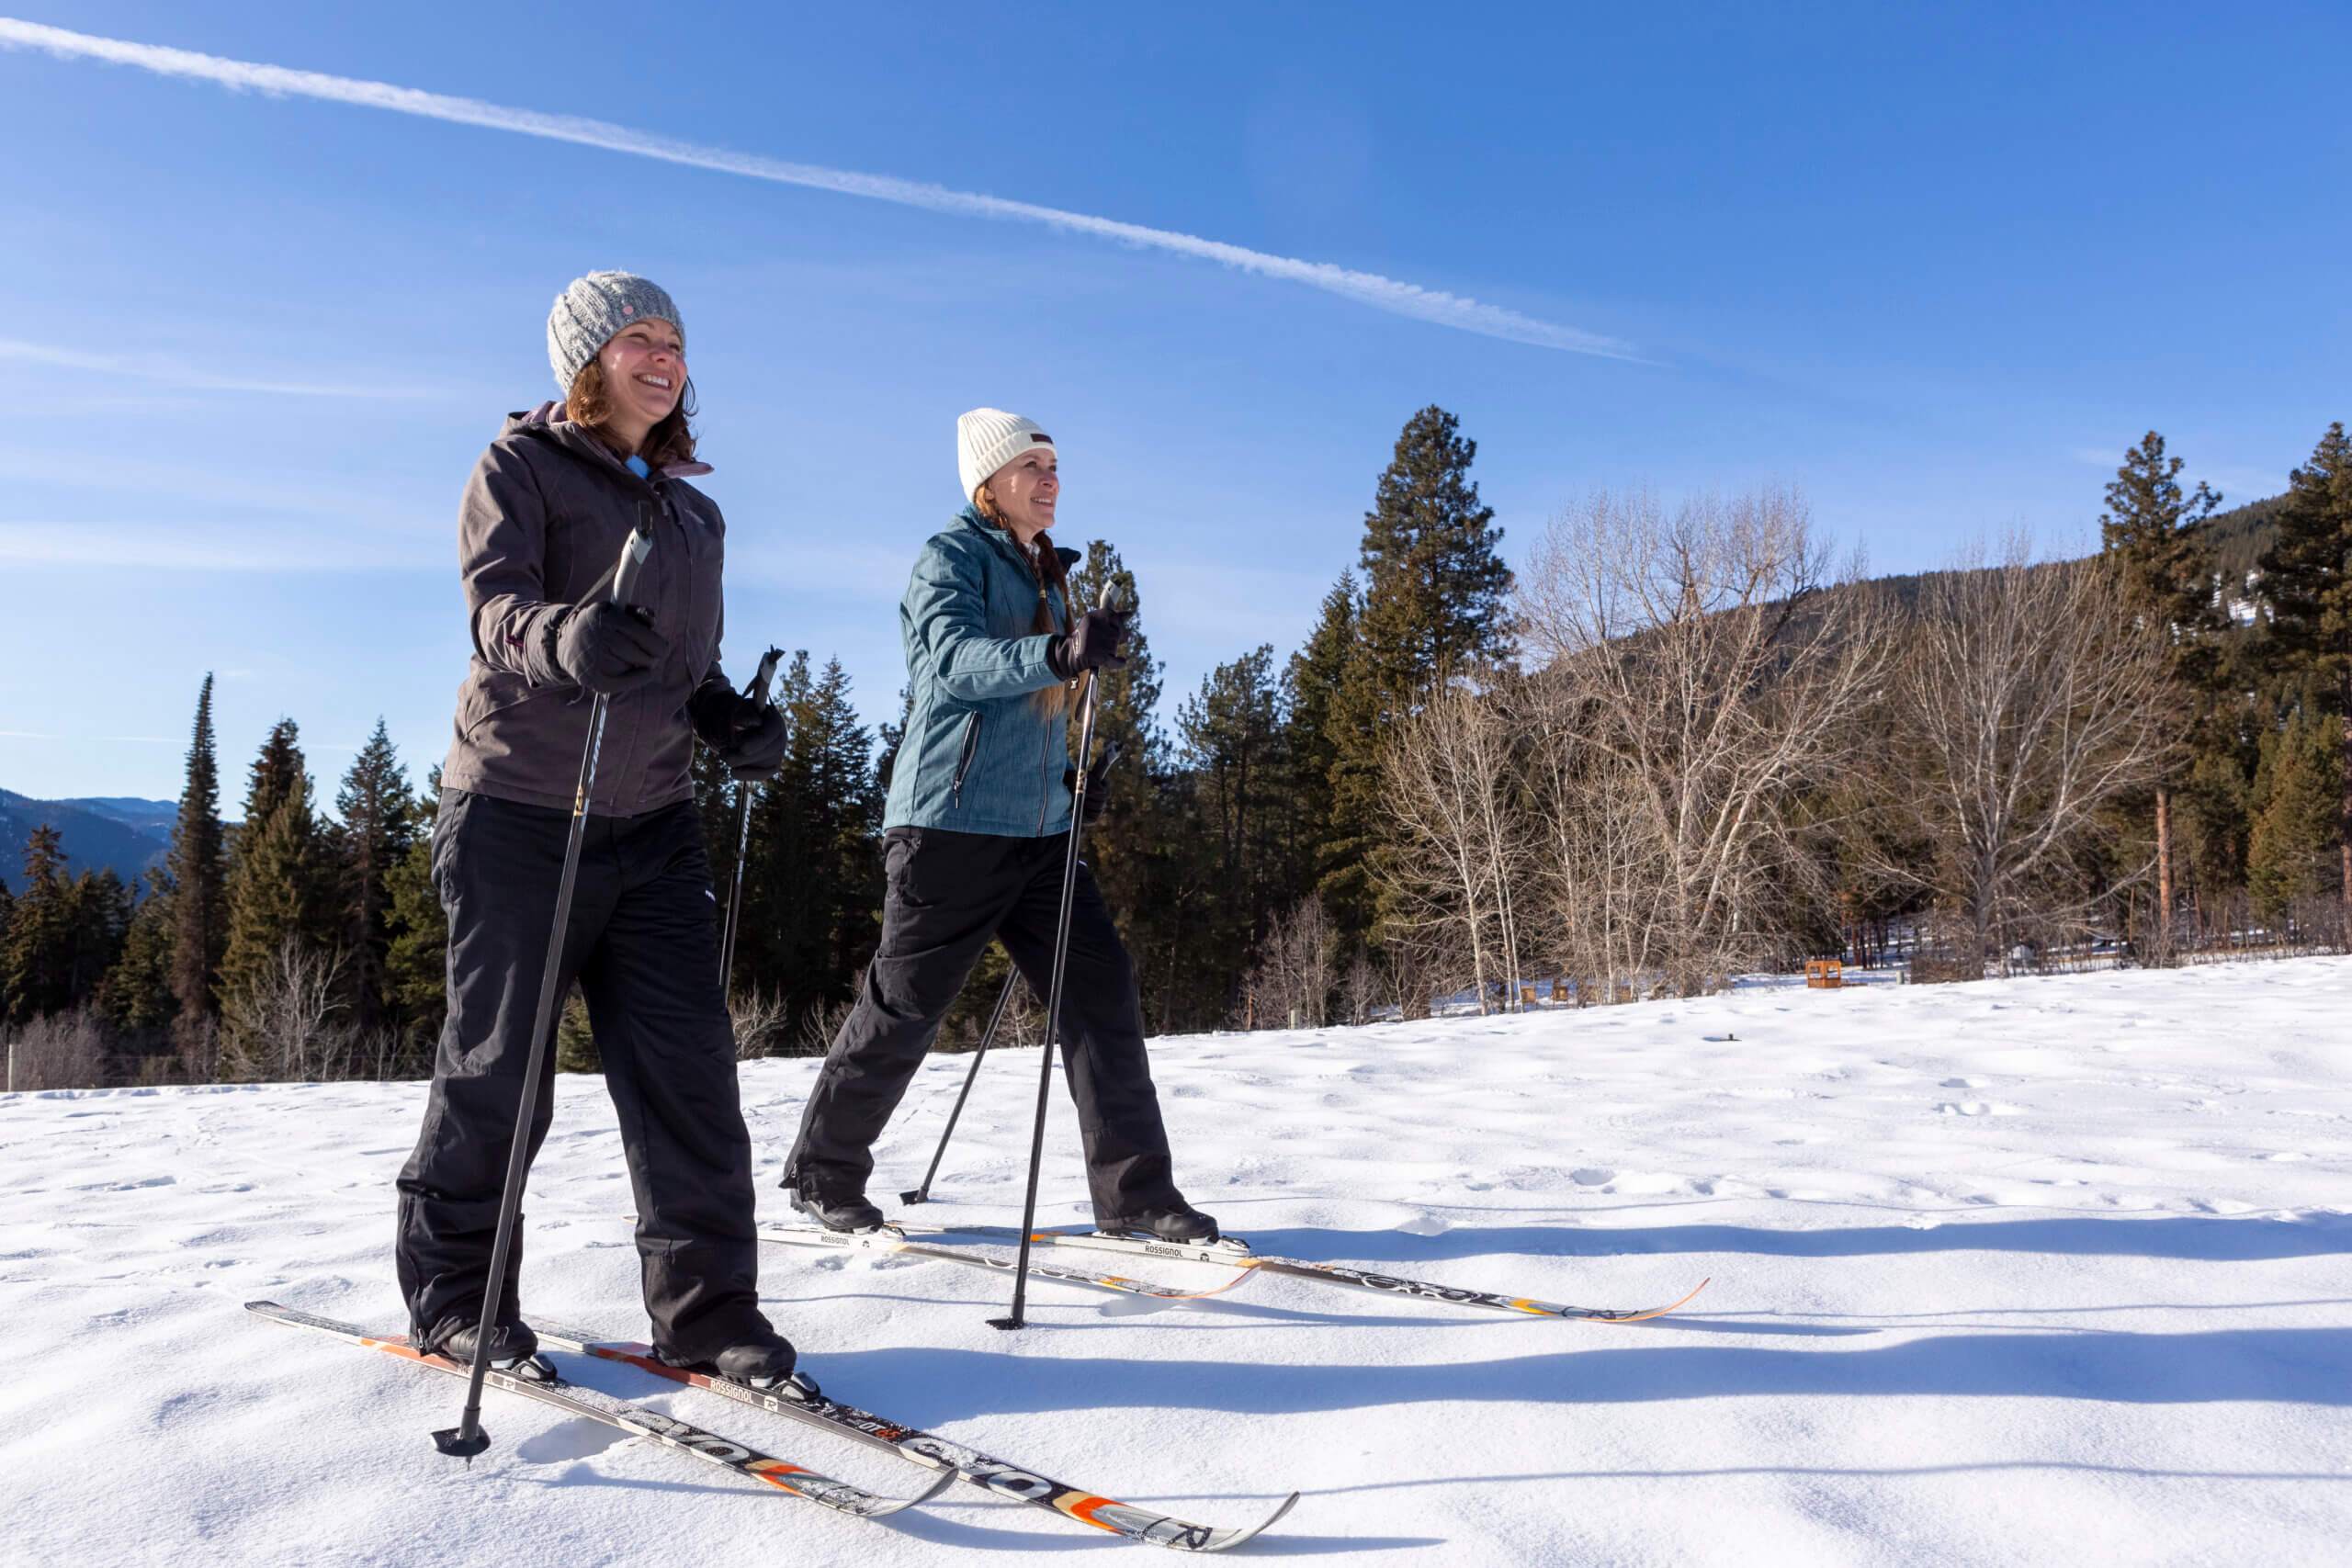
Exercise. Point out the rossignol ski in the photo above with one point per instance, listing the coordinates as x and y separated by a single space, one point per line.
985 1470
892 1238
573 1400
1235 1253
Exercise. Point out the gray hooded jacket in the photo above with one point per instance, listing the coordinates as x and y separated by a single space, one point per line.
540 528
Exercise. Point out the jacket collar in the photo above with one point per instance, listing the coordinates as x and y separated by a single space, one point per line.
970 518
547 422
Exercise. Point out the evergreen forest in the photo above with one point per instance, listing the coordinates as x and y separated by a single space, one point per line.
1684 742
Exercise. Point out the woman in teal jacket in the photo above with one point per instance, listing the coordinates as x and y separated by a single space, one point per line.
974 837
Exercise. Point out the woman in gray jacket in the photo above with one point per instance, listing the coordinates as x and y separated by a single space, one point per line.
541 525
975 832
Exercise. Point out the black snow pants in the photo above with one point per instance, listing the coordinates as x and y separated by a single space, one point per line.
948 894
643 945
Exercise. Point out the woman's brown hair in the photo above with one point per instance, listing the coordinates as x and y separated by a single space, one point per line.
671 441
1046 566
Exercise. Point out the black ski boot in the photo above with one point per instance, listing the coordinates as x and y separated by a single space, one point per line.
1179 1223
849 1212
512 1347
762 1363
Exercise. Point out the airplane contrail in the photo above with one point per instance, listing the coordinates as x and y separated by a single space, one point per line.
154 367
1365 288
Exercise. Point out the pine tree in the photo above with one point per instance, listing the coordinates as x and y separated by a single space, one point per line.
1232 748
1126 700
2150 532
376 809
717 807
416 954
813 877
63 933
280 881
2307 576
34 966
1434 607
199 870
1135 850
1310 697
2294 836
136 995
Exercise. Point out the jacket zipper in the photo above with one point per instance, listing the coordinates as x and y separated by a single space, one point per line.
964 763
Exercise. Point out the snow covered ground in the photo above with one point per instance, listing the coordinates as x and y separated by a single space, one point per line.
2043 1271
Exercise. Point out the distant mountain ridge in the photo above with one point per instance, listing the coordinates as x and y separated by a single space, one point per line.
122 833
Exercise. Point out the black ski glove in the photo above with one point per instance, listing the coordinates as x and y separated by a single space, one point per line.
607 648
748 735
758 751
1093 645
1097 796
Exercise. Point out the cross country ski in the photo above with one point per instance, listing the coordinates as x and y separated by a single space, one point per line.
1231 1252
894 1238
987 1472
543 1385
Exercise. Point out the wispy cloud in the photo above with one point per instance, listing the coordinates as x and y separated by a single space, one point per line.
173 373
1365 288
327 547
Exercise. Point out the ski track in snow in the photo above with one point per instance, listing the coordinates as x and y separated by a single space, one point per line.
2040 1271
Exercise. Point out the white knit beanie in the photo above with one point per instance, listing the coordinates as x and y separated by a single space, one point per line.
987 439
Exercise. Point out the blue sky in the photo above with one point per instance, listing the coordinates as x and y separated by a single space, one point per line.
1937 267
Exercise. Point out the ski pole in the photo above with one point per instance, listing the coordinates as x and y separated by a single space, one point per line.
1003 999
467 1438
742 839
1013 1319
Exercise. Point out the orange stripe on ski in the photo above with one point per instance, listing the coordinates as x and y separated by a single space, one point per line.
1138 1287
1082 1510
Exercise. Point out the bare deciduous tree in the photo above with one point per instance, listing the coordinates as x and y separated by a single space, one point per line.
1360 991
61 1050
284 1027
1447 788
761 1020
2026 703
1294 972
1698 677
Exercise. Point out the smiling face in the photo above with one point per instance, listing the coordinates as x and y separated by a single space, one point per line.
645 375
1025 489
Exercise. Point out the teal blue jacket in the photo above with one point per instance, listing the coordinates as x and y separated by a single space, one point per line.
983 752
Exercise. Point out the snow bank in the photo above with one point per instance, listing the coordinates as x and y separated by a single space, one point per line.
2026 1272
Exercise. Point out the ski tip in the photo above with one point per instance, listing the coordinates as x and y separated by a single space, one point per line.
882 1509
1661 1311
1228 1541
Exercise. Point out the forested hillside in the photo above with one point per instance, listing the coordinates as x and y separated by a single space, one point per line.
1677 746
121 834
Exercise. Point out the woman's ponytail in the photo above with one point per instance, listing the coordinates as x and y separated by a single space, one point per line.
1045 570
1044 565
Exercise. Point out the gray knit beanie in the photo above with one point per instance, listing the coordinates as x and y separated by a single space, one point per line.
592 312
